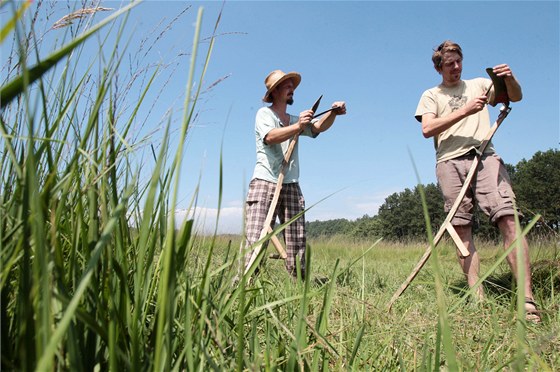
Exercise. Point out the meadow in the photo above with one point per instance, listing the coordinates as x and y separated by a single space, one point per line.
349 327
96 273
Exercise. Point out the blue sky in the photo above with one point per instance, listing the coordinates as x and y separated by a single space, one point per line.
375 55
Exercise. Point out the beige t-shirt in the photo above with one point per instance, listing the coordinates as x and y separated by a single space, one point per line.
465 134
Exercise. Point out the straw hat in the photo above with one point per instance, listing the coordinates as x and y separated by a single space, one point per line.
275 78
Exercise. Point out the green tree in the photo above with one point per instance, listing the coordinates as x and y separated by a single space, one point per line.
366 227
317 229
536 184
401 217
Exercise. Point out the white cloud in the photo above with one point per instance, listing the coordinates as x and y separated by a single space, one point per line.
229 222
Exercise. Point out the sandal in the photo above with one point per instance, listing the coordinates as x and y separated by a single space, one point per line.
532 313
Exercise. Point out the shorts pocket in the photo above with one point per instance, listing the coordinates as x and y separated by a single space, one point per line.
259 192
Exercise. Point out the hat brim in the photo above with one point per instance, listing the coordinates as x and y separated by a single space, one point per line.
290 75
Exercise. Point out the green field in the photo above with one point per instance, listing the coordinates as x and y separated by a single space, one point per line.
359 331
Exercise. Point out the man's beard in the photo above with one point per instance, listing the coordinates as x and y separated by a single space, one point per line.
290 101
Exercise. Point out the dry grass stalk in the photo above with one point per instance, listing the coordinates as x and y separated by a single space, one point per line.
67 19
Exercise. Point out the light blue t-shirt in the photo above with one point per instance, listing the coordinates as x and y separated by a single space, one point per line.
270 157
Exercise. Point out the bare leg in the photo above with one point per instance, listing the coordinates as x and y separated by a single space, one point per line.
508 230
470 264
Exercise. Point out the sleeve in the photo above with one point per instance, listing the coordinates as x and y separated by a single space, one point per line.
427 105
264 123
308 132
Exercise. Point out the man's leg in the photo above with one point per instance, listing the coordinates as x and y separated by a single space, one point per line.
294 234
507 227
451 176
470 264
495 197
257 205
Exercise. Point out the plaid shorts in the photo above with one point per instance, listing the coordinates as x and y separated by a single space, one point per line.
490 188
290 203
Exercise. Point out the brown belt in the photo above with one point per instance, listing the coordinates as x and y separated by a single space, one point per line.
471 154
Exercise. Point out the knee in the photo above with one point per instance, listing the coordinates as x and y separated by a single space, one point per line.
506 224
464 231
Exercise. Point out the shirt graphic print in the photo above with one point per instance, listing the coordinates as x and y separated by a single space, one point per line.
456 102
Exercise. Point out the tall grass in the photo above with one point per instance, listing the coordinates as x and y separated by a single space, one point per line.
95 274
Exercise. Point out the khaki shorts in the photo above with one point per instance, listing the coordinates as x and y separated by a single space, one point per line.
490 188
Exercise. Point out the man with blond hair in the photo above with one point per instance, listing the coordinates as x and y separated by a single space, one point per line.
274 128
455 115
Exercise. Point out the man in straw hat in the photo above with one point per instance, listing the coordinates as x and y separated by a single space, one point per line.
455 114
274 128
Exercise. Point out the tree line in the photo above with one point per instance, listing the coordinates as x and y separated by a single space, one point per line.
536 183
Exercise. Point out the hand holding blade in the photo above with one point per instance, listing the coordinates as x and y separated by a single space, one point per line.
324 112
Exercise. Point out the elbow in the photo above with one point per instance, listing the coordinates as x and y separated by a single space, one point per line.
317 128
270 140
427 132
426 125
515 93
516 98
